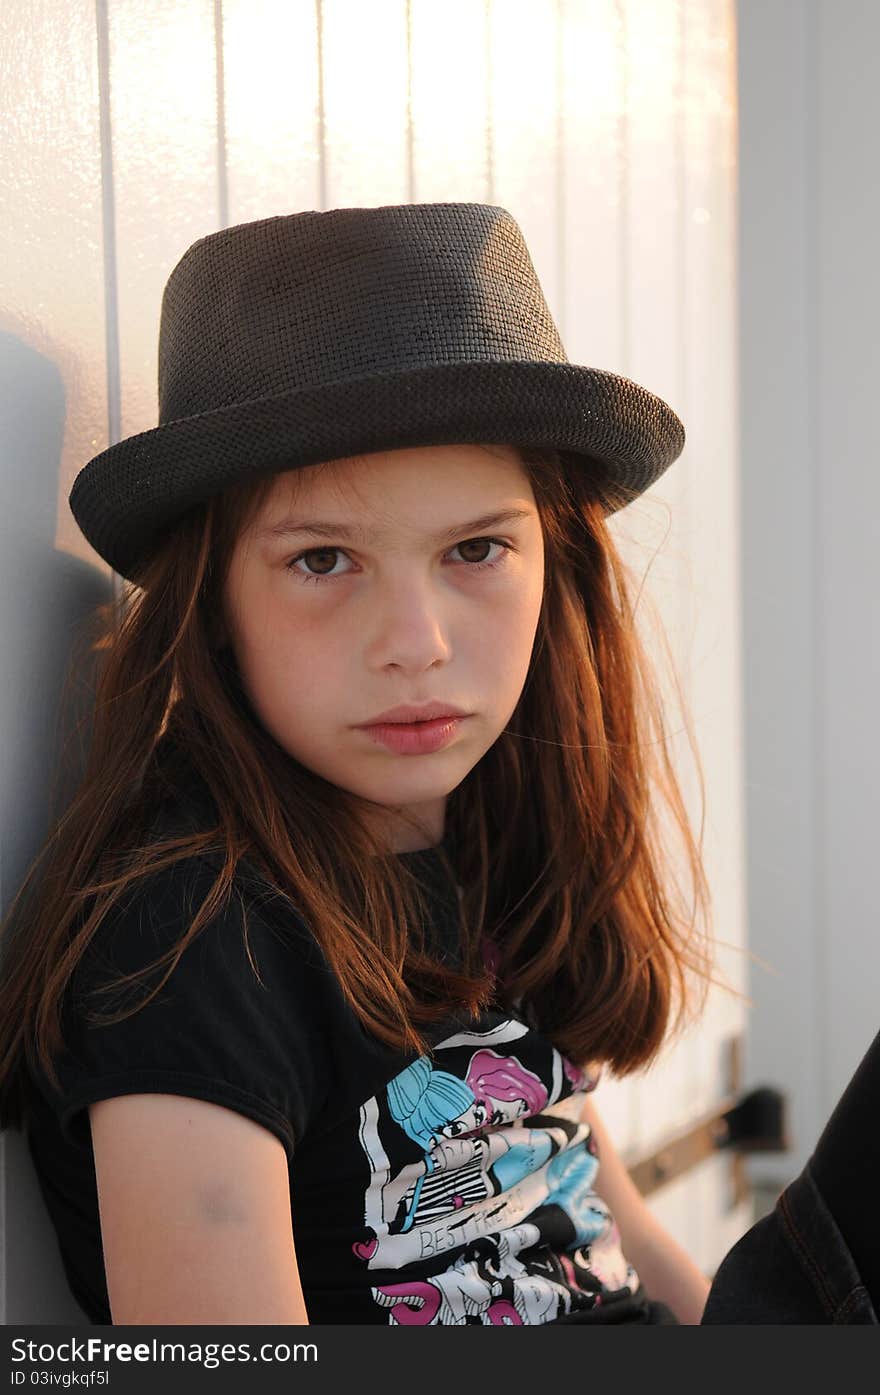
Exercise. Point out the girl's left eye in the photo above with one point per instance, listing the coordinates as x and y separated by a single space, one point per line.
327 576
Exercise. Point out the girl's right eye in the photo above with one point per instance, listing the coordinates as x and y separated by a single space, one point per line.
291 566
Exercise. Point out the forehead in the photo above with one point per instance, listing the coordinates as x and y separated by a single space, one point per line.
373 478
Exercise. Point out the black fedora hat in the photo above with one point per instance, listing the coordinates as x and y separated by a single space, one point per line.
316 335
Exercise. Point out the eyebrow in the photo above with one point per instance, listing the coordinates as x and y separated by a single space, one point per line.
287 526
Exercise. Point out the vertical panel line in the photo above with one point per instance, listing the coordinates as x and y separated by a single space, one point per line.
812 302
222 160
108 235
562 297
681 233
623 226
410 155
108 225
322 119
490 135
681 199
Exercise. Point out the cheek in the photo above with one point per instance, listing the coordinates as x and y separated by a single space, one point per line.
508 627
279 629
301 667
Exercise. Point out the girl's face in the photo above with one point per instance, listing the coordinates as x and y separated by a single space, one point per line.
504 1111
391 605
473 1118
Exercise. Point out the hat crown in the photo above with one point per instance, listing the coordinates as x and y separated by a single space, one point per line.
264 308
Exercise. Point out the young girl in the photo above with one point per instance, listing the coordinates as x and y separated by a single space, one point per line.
306 999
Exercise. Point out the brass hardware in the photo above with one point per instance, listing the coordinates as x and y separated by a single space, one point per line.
680 1154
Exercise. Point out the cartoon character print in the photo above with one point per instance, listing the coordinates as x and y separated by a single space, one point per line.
486 1187
479 1288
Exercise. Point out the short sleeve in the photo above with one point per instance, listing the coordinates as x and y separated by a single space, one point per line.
213 1030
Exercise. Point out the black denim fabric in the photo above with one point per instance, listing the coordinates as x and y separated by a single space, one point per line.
793 1266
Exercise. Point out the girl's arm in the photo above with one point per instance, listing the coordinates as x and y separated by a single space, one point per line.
666 1270
194 1203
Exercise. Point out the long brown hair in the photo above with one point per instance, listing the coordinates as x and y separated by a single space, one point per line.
554 833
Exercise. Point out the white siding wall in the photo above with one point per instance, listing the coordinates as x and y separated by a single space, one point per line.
608 129
810 445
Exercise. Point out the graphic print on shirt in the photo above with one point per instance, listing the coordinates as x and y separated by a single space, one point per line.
481 1175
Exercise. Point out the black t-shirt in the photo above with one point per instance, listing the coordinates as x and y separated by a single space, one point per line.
452 1191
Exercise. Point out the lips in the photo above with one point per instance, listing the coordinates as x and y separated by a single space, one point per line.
409 713
415 738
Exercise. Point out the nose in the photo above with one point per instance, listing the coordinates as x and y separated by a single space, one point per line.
411 630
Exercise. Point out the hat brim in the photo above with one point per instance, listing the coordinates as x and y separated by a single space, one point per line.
127 497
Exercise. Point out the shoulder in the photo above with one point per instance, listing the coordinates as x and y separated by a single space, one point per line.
181 928
233 1012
